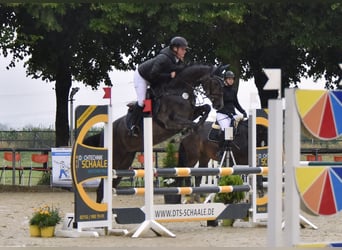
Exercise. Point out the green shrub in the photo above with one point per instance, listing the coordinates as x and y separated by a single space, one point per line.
233 197
45 179
170 160
45 216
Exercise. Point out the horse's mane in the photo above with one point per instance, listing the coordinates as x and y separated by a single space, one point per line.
191 73
193 69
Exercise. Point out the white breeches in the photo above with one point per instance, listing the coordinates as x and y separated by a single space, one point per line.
224 120
140 86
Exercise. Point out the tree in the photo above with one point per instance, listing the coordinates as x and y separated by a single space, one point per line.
294 38
62 46
83 42
289 36
253 36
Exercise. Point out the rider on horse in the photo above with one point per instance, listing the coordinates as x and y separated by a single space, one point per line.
158 70
227 114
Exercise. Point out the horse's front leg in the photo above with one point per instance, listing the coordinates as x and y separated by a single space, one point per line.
199 111
202 112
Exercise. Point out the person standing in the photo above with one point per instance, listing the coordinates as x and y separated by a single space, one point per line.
227 114
158 70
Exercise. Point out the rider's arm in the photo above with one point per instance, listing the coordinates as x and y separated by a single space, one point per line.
238 106
162 68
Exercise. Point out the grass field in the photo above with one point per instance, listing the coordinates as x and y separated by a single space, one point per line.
41 178
37 177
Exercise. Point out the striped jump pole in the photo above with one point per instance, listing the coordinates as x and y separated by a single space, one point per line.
320 163
186 172
184 190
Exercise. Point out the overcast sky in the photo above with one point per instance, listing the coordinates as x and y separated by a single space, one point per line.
25 101
28 102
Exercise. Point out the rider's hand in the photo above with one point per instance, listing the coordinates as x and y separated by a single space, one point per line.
173 74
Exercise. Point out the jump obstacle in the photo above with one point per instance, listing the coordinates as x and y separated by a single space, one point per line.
186 172
322 128
185 212
233 211
89 214
292 148
185 190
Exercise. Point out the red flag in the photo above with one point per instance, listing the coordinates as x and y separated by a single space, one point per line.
108 93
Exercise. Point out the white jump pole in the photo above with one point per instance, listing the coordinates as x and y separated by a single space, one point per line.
108 141
275 163
292 157
149 222
252 158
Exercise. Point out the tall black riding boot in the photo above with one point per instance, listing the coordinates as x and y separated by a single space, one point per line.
134 122
222 145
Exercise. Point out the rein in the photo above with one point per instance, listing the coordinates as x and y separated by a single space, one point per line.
197 89
179 92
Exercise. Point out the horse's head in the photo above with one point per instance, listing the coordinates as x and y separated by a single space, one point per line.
212 86
218 71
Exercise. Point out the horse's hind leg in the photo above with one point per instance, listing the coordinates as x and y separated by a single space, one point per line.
100 188
198 179
99 192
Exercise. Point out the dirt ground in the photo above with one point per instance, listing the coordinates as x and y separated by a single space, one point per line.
17 206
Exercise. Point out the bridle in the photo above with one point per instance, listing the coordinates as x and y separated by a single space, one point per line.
209 93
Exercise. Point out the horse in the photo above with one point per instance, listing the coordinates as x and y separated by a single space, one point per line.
174 109
202 145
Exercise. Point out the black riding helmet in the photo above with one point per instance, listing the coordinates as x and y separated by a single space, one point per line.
228 74
178 41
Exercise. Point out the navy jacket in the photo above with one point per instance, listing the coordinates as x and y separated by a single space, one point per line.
230 101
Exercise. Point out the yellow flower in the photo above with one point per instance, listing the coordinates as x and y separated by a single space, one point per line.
45 216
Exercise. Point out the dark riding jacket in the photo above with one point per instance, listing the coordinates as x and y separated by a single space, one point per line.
230 102
158 70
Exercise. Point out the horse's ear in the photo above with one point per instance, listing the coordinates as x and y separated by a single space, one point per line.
220 69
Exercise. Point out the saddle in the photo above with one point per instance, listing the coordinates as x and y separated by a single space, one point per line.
215 130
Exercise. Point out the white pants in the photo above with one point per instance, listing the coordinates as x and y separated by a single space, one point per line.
140 85
224 120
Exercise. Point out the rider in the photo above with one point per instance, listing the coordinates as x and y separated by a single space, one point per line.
225 115
158 70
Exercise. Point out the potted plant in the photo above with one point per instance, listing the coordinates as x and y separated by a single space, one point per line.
170 161
230 198
44 220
